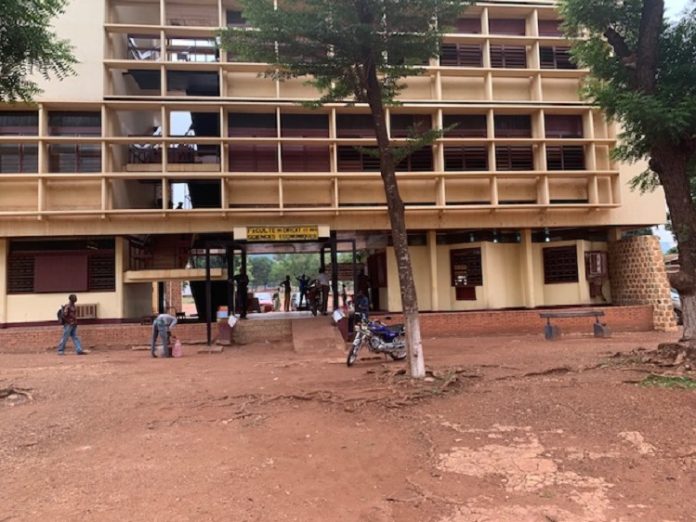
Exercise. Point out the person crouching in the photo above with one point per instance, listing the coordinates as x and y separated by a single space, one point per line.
161 327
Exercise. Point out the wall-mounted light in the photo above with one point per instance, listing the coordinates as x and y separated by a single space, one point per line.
547 235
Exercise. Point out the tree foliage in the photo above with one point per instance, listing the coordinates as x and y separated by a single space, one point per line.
29 46
662 114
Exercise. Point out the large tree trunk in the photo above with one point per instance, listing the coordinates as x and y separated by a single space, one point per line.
670 163
409 300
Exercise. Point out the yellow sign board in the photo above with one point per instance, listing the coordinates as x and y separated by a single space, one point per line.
298 233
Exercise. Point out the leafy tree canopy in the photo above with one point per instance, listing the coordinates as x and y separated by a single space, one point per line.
29 46
659 112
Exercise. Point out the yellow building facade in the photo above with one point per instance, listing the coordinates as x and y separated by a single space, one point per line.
516 206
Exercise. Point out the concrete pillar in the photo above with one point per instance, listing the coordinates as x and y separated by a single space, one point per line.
120 266
432 254
527 267
4 251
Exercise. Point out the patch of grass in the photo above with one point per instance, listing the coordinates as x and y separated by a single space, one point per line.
665 381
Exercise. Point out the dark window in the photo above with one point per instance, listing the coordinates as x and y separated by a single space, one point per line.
407 125
461 55
567 157
74 158
517 126
253 157
507 26
305 158
101 270
555 58
466 268
62 123
563 126
354 126
352 159
560 265
514 157
19 123
420 160
19 158
468 25
508 57
304 125
235 18
550 28
61 271
465 125
466 158
20 274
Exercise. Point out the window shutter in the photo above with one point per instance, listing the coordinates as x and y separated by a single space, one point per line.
560 265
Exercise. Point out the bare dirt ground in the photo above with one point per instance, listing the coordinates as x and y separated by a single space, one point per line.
509 429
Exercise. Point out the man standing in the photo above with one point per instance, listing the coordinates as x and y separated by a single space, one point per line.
69 319
161 328
324 283
242 280
287 289
303 280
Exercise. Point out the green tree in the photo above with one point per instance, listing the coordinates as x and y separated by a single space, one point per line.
293 265
355 51
643 74
260 270
29 46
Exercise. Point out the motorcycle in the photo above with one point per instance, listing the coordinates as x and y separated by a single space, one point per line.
314 297
379 338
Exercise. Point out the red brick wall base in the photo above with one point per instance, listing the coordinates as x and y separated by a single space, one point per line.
446 324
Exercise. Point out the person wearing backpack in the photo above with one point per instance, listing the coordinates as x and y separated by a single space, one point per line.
68 318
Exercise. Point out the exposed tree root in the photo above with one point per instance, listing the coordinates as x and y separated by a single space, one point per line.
11 393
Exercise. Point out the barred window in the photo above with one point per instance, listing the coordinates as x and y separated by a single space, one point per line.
466 267
508 57
560 265
20 274
466 158
461 55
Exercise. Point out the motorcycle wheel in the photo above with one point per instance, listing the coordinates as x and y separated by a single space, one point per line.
353 353
398 356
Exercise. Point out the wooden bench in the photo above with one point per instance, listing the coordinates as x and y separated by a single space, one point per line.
553 331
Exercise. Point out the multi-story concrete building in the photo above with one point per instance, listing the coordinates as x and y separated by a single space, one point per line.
516 206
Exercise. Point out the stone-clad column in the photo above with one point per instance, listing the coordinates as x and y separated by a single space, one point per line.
637 275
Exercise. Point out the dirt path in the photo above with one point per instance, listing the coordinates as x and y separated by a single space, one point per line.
529 431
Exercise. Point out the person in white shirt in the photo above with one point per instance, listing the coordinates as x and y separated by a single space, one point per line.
161 328
324 284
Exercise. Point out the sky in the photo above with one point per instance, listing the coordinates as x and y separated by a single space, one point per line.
674 7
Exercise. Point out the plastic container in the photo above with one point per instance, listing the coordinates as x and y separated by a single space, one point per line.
177 349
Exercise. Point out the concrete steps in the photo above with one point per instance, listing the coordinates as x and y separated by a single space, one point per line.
250 331
316 335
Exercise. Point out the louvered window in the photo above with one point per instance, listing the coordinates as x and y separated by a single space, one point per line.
508 57
567 157
101 269
514 126
550 28
514 157
465 125
407 125
466 158
560 265
305 158
352 159
20 274
354 126
461 55
74 157
19 158
555 58
563 126
420 160
256 157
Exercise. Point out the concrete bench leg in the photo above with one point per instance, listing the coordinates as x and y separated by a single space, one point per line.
602 330
552 332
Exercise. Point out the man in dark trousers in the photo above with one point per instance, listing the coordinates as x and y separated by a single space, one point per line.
69 320
324 285
242 281
287 289
303 280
